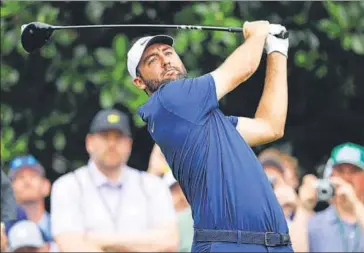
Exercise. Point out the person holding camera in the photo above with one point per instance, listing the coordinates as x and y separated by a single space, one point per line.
340 227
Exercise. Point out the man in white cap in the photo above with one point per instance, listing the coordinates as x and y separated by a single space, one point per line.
342 223
25 236
234 207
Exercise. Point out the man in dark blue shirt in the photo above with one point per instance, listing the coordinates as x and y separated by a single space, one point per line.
209 153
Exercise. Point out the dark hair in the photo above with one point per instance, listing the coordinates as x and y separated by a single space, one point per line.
140 75
138 72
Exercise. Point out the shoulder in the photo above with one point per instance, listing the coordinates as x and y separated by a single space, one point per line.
68 179
182 95
5 181
149 180
186 84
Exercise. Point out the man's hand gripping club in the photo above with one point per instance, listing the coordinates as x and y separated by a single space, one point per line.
274 44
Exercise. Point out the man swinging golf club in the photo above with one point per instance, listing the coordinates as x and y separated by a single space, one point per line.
234 207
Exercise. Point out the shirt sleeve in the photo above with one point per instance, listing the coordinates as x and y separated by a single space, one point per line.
66 215
233 120
190 98
161 205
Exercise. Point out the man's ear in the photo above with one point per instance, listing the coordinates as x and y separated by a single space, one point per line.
88 141
139 83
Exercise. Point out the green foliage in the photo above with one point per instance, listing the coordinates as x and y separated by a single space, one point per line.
346 22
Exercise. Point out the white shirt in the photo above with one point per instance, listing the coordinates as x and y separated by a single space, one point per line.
139 201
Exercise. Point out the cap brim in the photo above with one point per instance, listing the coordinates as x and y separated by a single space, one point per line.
358 164
108 128
37 167
164 39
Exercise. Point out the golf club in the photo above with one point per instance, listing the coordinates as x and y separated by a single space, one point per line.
35 35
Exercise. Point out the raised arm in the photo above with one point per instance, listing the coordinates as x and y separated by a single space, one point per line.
244 61
270 118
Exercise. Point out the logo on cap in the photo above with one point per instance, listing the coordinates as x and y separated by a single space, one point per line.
143 42
113 118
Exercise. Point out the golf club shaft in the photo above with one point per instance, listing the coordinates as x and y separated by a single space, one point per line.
183 27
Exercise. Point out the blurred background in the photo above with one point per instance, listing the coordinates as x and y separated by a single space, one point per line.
48 98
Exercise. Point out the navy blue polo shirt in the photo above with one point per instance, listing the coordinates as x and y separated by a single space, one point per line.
219 173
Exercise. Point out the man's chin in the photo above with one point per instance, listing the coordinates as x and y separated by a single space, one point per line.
113 164
173 78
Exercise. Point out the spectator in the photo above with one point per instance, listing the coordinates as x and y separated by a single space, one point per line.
184 212
108 206
20 215
340 227
297 208
290 165
268 153
3 238
8 204
274 169
31 187
25 236
285 194
305 203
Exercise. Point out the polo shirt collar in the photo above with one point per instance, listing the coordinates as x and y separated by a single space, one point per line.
101 180
331 214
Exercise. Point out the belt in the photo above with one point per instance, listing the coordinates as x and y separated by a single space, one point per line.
269 239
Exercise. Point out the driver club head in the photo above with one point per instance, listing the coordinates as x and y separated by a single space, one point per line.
35 35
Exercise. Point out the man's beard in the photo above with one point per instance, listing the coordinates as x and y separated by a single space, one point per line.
154 85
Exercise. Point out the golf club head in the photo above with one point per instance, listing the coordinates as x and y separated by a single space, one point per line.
35 35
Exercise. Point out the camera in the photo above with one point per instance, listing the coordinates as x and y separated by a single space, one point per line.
325 190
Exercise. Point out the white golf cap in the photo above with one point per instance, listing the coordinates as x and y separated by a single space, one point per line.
25 233
169 179
136 51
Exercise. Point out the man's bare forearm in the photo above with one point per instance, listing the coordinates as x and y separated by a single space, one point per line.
245 59
239 66
274 102
298 229
152 241
76 242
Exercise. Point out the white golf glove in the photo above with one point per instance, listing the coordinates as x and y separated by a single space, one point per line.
274 44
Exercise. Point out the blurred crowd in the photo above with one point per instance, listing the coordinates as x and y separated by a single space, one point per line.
107 206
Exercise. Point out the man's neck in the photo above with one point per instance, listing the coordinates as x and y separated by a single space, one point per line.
34 210
113 174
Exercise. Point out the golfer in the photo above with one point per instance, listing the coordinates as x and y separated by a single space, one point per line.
233 205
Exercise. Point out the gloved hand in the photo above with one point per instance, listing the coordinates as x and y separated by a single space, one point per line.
274 44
